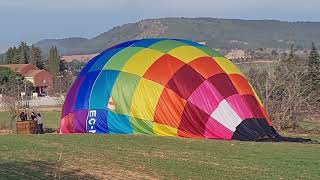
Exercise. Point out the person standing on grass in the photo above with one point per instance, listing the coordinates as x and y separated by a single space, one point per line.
40 123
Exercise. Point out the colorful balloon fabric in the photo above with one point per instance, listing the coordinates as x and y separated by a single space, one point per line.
165 87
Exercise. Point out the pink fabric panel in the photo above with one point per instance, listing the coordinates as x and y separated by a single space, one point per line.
240 106
215 130
206 97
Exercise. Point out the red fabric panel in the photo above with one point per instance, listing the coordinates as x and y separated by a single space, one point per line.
223 84
193 120
254 106
265 114
185 81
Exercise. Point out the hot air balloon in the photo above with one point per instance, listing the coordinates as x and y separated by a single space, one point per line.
165 87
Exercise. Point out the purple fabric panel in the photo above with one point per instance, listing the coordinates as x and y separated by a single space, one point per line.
79 121
69 104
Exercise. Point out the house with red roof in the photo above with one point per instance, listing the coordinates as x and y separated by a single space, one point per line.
41 79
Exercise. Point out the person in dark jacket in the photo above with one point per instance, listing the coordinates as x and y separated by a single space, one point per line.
22 116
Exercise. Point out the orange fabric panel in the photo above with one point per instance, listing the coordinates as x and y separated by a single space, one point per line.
163 69
241 84
169 109
182 133
206 66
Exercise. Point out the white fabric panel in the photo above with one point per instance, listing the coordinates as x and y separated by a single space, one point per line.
225 115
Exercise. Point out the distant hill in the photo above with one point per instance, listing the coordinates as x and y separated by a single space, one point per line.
217 33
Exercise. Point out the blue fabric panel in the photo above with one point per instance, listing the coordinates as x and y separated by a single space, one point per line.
82 101
146 42
102 89
86 68
102 60
101 125
119 124
123 45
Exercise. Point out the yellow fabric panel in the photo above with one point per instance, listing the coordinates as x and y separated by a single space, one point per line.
145 99
227 65
164 130
139 63
187 53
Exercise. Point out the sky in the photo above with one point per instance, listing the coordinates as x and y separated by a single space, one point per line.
34 20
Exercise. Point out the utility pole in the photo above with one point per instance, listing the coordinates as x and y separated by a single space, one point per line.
60 88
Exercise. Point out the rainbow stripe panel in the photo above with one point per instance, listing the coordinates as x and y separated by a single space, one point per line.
165 87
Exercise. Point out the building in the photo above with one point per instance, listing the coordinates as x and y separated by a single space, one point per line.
238 54
41 79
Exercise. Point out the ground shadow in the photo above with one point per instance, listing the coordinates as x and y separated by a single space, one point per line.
40 170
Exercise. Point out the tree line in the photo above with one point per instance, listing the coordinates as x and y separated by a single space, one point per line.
25 54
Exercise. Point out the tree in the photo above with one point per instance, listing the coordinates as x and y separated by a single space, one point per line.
53 61
282 91
35 57
9 56
23 51
11 84
16 56
313 73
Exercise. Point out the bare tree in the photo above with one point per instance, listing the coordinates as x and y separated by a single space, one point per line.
13 105
283 91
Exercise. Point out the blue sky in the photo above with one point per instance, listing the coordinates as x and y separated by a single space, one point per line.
33 20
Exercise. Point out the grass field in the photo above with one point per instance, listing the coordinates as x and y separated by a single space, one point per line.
145 157
54 156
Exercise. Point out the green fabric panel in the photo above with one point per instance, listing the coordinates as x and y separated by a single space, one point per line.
210 51
166 45
120 59
140 126
123 91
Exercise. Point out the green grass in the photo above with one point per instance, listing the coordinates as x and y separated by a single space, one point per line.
90 156
146 157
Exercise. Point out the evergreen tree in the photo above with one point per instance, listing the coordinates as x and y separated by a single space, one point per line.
35 57
23 51
53 61
16 56
9 56
314 68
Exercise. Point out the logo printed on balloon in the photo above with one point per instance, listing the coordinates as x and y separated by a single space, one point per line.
91 121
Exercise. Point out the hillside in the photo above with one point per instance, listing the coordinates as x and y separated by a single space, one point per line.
217 33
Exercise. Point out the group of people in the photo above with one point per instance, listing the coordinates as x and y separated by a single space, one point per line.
34 117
